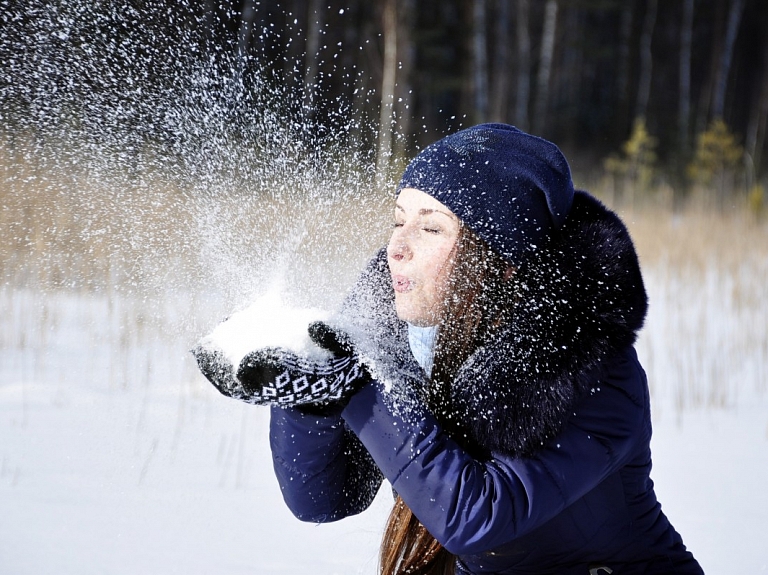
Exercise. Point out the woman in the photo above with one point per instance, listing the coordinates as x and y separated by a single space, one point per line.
483 364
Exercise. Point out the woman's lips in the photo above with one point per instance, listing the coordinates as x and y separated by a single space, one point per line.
401 284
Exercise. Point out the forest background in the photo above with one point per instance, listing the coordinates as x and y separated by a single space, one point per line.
645 91
679 86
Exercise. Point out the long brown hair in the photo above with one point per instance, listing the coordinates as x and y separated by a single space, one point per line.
475 303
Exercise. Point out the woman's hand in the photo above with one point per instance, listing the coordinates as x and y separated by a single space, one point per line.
277 376
219 371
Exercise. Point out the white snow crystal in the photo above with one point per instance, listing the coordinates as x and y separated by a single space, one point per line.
267 322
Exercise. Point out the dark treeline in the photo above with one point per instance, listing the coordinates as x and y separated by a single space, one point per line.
580 72
577 71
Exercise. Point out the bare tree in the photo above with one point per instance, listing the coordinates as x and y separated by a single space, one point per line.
624 53
646 60
245 31
726 56
294 44
480 60
684 96
500 79
210 16
388 84
546 55
312 53
523 64
758 119
716 29
625 35
406 16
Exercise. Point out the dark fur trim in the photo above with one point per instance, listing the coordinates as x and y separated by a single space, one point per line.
582 300
368 316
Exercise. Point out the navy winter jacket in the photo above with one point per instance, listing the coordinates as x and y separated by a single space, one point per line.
550 473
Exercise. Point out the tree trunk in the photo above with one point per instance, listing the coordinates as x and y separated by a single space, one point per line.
210 19
500 83
724 67
388 80
480 61
294 45
406 18
568 79
545 66
684 95
758 119
646 60
716 30
523 64
245 32
622 83
311 54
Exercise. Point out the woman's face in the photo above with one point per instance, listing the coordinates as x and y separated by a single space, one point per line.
420 255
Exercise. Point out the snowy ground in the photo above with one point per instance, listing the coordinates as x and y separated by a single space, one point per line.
117 458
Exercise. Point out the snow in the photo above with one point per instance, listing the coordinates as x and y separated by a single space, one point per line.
710 471
116 483
116 456
267 322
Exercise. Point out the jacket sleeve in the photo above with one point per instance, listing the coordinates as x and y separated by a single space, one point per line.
471 506
323 470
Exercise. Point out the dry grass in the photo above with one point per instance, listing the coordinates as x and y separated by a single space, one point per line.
78 228
109 277
706 338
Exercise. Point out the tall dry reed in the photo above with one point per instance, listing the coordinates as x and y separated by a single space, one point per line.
108 278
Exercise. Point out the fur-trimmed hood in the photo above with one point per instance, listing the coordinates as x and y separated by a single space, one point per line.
582 300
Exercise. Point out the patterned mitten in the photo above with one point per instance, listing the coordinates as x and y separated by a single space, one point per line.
219 371
278 376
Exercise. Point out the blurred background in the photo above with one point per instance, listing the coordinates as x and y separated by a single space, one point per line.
671 91
162 164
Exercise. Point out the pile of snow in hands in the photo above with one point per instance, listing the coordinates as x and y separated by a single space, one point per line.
267 322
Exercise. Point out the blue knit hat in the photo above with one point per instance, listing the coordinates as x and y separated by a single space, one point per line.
510 188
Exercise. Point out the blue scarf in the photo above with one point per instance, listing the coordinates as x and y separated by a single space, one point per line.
422 343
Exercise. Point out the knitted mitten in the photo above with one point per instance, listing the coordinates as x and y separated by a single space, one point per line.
278 376
281 377
219 371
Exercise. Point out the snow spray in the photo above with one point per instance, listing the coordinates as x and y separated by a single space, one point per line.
164 167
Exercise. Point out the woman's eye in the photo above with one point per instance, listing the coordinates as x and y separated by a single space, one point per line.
435 231
397 225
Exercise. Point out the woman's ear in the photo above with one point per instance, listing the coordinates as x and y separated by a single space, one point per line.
510 271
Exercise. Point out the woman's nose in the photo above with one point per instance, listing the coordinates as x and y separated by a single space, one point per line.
398 247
